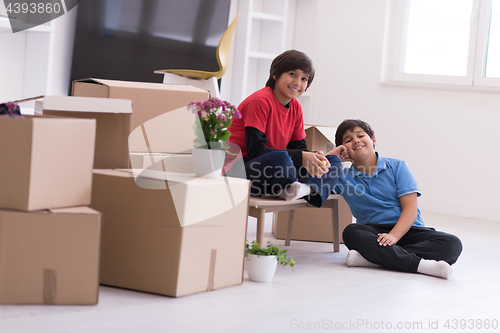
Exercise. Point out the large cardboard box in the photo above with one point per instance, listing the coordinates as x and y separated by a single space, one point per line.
45 162
113 118
50 257
160 121
313 224
174 236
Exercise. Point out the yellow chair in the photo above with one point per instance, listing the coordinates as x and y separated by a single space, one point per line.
202 79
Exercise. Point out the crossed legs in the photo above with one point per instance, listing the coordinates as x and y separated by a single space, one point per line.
274 173
422 250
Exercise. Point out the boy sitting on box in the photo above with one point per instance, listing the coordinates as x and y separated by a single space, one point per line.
382 194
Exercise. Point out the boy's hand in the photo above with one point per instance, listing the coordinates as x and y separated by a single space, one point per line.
315 163
341 152
386 239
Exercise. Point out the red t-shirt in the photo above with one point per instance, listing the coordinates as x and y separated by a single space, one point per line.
262 111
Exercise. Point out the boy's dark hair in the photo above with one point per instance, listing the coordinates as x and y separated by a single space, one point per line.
288 61
348 125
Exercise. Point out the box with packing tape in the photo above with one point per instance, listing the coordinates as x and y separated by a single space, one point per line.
50 256
170 233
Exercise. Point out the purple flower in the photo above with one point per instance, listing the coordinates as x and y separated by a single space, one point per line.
214 114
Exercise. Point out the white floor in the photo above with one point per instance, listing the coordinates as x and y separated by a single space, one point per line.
322 294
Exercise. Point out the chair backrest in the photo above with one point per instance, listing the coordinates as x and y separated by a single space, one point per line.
224 48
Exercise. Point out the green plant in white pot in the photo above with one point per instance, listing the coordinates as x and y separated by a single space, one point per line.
262 262
213 118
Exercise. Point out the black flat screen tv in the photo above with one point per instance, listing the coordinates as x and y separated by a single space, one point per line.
130 39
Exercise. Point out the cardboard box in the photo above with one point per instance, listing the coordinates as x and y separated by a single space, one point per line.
45 162
112 116
172 162
311 224
172 237
160 121
320 137
50 257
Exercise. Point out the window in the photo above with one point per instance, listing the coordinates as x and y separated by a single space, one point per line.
447 42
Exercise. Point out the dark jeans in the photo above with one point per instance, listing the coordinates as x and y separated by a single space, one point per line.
273 172
418 243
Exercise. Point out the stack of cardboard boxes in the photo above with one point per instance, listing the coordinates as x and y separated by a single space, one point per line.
164 231
119 148
49 239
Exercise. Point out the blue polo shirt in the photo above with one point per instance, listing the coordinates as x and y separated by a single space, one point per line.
375 199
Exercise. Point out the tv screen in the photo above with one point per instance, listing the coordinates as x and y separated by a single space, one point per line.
130 39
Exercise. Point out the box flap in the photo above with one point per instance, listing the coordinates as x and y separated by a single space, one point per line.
87 104
74 210
195 198
141 85
328 132
126 173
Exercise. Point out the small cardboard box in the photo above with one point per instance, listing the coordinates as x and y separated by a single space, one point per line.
313 224
50 257
174 236
153 130
320 137
112 116
45 162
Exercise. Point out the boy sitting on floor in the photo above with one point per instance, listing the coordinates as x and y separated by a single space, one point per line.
382 194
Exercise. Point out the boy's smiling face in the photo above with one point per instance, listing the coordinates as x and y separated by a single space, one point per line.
290 85
359 144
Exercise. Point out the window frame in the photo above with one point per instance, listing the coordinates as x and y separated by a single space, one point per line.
484 14
395 43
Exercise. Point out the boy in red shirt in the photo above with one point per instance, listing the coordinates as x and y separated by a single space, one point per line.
271 137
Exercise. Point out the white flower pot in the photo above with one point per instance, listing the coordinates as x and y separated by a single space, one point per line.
261 268
208 162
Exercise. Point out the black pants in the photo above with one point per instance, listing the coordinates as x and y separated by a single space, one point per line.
418 243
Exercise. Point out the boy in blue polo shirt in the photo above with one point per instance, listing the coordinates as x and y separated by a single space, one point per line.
382 194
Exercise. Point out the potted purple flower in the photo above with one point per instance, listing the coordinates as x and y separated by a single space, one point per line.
213 117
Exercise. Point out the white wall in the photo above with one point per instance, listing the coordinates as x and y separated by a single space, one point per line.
11 60
36 62
448 138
